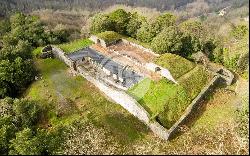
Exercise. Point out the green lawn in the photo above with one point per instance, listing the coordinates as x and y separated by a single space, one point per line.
166 100
75 45
72 98
176 64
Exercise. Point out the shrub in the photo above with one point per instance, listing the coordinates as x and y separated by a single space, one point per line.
239 31
232 62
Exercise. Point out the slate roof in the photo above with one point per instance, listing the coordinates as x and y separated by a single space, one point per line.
128 76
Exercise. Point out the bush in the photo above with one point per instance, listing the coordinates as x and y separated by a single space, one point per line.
15 76
232 62
19 132
26 112
239 31
217 55
242 116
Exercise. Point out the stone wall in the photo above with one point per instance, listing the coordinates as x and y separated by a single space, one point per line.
163 71
98 40
58 53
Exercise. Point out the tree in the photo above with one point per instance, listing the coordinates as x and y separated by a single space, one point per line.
100 23
7 132
25 143
7 129
120 19
18 132
11 52
193 33
27 28
26 112
169 40
14 76
163 21
146 33
134 24
4 27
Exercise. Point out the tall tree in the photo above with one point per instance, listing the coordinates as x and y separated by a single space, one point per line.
134 24
120 18
100 23
168 40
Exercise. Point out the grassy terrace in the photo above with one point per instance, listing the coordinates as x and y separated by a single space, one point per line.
166 100
75 45
70 98
176 64
109 36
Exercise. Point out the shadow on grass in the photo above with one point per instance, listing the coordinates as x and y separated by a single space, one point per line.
125 128
197 112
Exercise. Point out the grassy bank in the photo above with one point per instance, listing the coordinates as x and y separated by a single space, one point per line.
166 100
